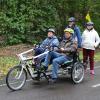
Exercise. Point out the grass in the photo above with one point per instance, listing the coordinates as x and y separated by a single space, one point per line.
6 63
97 56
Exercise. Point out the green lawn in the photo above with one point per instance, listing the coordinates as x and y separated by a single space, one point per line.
97 56
6 63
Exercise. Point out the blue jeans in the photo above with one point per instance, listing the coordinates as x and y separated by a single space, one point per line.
39 60
57 59
38 51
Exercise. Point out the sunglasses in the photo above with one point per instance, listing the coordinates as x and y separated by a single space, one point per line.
89 25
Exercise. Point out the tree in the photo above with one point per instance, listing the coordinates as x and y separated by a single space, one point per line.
27 20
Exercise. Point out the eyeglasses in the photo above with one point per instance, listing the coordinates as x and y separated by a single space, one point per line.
71 21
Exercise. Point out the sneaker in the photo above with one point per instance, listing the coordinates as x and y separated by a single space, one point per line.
92 72
45 68
52 81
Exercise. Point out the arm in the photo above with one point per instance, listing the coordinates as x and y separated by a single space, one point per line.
72 48
78 33
97 39
83 37
55 42
43 44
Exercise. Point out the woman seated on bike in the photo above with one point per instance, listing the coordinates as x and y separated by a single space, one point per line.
49 41
67 48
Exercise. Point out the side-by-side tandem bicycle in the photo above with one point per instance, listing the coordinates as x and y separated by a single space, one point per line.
17 75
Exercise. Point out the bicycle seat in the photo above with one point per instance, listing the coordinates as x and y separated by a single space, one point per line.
67 63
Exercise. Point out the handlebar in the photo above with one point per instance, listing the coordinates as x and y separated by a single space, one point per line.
23 57
51 48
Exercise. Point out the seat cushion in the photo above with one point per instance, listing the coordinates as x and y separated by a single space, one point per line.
68 62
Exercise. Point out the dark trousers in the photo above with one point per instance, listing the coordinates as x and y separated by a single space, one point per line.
88 53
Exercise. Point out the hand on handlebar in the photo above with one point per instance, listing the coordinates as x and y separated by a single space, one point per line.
62 49
79 49
34 45
52 47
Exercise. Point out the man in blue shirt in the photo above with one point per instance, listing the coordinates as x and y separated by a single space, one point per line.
77 32
51 40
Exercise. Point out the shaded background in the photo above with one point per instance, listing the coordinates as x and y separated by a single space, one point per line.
26 21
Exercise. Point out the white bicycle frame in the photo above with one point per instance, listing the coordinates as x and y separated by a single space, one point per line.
24 60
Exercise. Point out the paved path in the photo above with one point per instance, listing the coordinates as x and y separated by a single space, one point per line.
89 89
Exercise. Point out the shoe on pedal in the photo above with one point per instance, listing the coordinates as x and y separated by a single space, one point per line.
52 80
45 68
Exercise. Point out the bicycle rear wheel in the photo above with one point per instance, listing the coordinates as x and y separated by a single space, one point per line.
16 78
77 73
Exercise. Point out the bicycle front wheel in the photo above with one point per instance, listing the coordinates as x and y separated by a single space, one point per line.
16 78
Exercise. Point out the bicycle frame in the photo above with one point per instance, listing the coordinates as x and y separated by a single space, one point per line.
25 64
22 58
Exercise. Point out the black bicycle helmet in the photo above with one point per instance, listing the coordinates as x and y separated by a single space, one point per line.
71 19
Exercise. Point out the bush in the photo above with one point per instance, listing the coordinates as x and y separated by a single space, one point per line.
25 20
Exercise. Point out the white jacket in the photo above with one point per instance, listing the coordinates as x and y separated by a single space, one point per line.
90 39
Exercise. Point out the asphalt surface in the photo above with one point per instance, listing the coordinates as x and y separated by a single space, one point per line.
89 89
